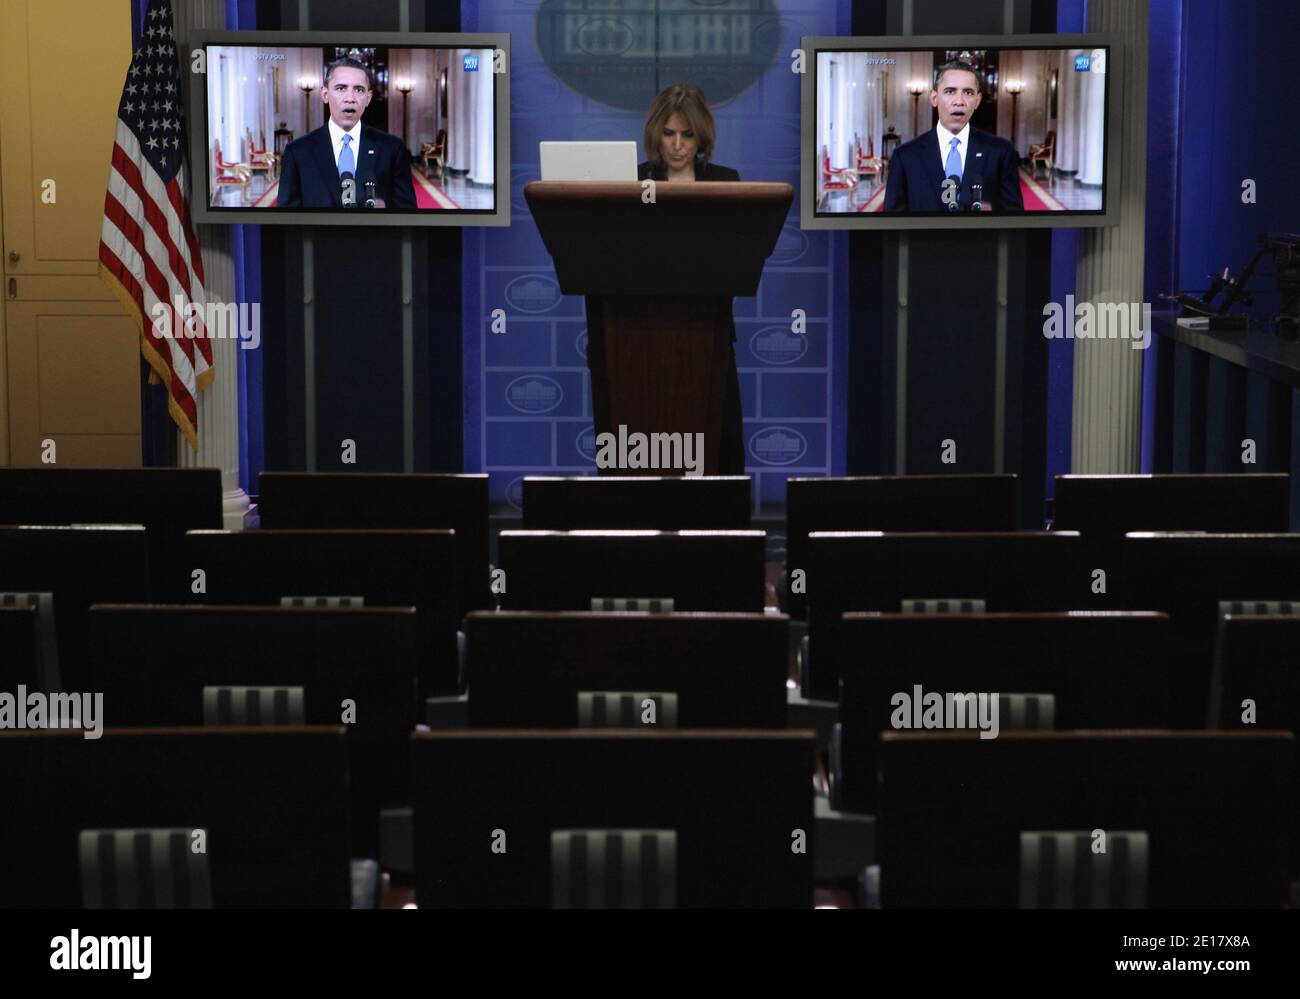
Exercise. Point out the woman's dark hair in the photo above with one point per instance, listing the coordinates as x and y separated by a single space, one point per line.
689 102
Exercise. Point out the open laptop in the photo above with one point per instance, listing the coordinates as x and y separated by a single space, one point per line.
588 160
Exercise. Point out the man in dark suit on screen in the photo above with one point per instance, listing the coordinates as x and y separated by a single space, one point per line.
344 160
985 166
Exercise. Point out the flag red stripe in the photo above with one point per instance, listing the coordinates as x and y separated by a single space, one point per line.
117 214
119 270
158 223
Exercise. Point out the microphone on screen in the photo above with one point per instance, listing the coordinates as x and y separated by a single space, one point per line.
348 185
370 194
977 196
948 192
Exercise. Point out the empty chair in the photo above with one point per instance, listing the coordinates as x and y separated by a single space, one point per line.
272 803
385 568
891 503
144 869
1103 508
1188 575
252 705
698 570
606 502
47 639
489 803
1238 613
1213 806
869 571
614 869
167 502
1101 669
1259 684
1259 673
353 667
1071 870
20 647
530 670
386 500
79 566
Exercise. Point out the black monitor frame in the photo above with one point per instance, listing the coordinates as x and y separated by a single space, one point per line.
1116 68
197 110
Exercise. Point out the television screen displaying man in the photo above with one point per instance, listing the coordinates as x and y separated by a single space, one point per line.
954 167
344 163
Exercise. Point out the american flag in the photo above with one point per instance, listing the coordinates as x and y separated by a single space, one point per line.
147 251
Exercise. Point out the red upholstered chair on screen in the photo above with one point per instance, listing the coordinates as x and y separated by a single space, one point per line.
261 159
868 164
435 152
837 178
1044 153
229 174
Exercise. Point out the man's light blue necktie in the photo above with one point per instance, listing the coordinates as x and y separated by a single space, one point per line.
951 167
347 162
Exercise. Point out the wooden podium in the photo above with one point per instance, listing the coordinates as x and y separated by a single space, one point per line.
659 276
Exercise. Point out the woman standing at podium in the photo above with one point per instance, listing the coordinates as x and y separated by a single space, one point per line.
679 137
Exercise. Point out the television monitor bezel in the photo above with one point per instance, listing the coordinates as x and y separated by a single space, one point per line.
1116 67
197 109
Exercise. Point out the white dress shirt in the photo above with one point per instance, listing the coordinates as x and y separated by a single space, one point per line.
336 140
945 143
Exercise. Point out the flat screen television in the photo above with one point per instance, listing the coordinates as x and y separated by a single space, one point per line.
961 131
350 128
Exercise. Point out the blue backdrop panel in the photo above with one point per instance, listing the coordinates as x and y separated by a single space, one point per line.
587 70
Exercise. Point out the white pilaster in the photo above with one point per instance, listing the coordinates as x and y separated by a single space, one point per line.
1107 405
218 405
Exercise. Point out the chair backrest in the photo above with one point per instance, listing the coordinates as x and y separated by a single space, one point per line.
668 503
699 570
329 500
1104 670
387 568
19 647
166 501
1187 575
866 571
1238 611
272 800
356 667
527 669
627 709
144 869
1103 508
42 668
252 705
80 566
1260 680
613 869
1084 869
495 849
1259 686
892 503
1215 806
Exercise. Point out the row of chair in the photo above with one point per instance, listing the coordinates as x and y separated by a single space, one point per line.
1186 575
240 817
170 502
359 667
